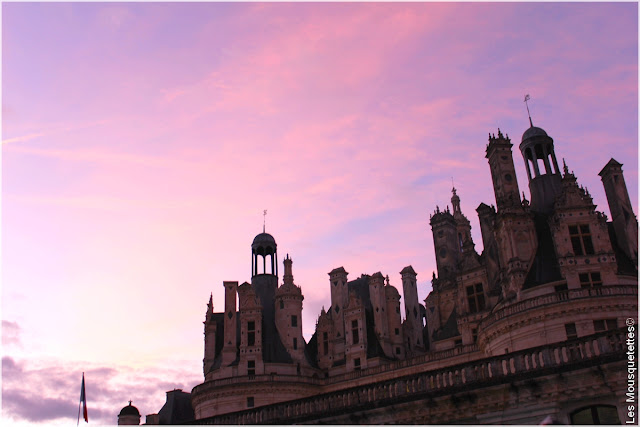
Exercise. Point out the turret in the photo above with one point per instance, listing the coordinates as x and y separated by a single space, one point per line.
503 173
210 330
413 322
625 223
378 305
129 415
339 294
445 242
288 315
545 179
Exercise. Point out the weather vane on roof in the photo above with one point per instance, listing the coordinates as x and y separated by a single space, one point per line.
526 98
264 221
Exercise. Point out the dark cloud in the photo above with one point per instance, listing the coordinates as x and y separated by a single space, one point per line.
11 333
29 405
10 369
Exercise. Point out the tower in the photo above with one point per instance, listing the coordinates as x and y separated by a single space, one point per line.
625 223
503 173
545 179
445 242
413 329
339 295
515 232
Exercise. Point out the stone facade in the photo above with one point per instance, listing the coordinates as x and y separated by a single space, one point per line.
549 294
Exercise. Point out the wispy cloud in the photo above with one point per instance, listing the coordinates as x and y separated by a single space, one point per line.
11 333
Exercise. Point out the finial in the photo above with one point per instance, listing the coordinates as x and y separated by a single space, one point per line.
264 221
434 275
387 280
130 403
526 98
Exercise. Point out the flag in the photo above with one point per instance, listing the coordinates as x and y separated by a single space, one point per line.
83 402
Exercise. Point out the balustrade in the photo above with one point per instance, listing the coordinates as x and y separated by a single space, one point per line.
421 384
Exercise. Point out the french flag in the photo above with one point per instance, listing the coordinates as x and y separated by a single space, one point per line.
83 402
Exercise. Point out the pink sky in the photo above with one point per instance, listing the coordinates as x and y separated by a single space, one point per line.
141 143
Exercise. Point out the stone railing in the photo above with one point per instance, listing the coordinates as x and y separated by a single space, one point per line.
557 297
249 379
569 355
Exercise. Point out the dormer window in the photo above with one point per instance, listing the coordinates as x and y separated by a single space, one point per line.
581 239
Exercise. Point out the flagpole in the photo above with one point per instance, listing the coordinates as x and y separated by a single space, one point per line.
80 403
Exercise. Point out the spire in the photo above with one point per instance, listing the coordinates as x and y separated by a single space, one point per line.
288 271
264 221
526 98
455 200
210 306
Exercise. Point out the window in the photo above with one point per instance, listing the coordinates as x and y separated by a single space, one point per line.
251 333
250 402
356 363
457 343
397 350
597 414
251 367
295 343
294 321
570 329
354 331
475 297
590 280
605 325
581 239
281 304
474 334
325 343
397 331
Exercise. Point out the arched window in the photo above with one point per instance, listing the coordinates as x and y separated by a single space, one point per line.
596 414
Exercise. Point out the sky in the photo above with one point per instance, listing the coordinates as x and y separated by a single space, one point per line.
142 142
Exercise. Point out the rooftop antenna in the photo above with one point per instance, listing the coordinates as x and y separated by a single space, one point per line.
264 220
526 98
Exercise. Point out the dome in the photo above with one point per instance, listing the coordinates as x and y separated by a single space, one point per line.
129 410
533 131
264 239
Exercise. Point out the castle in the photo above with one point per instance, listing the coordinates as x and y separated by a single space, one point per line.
535 326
